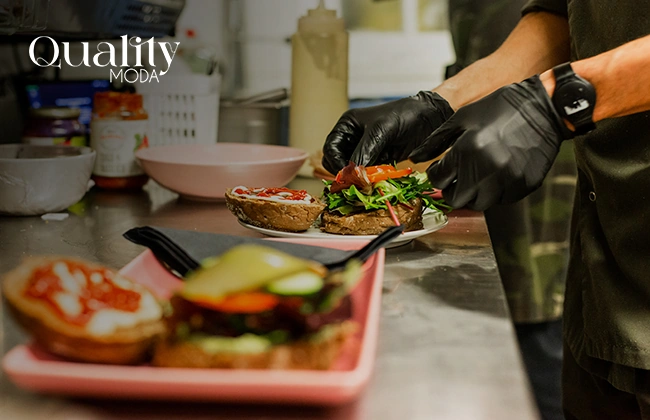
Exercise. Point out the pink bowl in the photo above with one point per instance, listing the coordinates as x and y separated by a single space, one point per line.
205 171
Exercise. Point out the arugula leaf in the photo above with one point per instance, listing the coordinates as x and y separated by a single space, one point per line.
345 209
396 190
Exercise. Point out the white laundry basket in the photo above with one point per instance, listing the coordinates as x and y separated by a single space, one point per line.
182 109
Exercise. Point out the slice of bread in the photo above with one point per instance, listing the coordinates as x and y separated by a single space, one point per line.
123 345
284 216
373 222
302 354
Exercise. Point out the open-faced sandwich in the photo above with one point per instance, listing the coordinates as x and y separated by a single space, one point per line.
274 208
360 201
83 311
367 200
255 307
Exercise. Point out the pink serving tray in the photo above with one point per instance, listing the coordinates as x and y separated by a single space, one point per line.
33 369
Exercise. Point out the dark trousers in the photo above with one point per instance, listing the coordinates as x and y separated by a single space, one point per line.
587 396
541 349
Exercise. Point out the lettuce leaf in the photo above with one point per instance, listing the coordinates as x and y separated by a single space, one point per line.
395 191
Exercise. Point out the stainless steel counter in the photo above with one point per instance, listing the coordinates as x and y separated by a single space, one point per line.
447 349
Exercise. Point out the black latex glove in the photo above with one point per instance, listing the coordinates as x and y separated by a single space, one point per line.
503 147
384 133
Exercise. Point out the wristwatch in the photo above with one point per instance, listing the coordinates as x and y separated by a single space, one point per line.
574 98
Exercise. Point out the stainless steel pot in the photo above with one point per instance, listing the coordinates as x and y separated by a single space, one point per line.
260 119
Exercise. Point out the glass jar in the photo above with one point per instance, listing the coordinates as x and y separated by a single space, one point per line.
118 129
54 126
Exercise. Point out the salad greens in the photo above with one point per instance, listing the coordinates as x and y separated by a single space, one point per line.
395 190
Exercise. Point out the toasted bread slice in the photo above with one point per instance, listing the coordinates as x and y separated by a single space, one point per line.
303 354
373 222
122 345
284 216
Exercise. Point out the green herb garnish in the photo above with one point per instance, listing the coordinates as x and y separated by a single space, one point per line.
396 191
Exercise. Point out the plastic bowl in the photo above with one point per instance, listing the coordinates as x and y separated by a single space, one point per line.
35 180
205 172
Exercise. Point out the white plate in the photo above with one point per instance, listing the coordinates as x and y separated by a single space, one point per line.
432 221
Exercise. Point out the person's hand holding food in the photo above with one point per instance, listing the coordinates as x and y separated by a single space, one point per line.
502 147
385 133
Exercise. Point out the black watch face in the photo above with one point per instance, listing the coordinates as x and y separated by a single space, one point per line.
574 100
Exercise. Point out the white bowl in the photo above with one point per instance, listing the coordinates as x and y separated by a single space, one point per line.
35 180
205 172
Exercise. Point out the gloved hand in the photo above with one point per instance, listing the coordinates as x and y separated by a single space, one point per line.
384 133
503 147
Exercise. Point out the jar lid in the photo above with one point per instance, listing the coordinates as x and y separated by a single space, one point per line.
55 112
116 102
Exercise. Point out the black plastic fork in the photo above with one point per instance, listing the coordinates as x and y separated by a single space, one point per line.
370 248
166 251
173 256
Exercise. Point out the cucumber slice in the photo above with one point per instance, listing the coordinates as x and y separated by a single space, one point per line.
209 262
300 284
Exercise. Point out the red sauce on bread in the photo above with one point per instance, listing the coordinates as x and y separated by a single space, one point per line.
85 291
281 192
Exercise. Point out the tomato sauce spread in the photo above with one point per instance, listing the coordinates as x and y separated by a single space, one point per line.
275 194
76 292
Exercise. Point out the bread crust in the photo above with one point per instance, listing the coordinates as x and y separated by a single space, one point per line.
287 217
50 331
373 222
297 355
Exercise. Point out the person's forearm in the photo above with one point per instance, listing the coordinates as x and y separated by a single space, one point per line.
620 77
539 42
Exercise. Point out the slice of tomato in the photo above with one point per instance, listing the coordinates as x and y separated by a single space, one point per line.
379 173
371 170
241 303
382 176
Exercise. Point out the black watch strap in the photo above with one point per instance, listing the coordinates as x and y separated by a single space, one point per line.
574 98
563 72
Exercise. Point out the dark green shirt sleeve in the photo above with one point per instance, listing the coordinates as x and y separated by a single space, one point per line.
558 7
